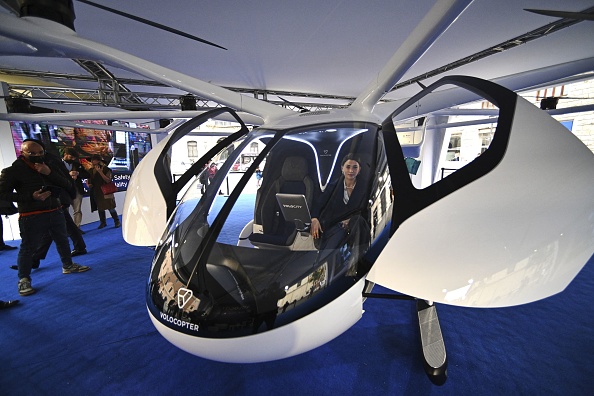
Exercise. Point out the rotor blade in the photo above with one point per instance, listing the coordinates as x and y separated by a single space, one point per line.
563 14
151 23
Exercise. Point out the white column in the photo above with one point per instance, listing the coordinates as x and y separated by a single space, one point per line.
7 157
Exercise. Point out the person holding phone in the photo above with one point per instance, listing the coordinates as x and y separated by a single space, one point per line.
66 197
40 212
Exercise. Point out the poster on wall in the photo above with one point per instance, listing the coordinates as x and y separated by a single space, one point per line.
121 151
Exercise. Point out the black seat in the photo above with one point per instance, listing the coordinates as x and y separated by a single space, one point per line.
275 230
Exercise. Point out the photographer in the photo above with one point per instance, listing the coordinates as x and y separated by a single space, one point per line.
35 186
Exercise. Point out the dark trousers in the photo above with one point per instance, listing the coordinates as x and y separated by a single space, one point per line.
344 246
112 212
33 229
73 232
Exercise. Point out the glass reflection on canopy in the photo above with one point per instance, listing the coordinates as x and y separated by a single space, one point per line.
235 265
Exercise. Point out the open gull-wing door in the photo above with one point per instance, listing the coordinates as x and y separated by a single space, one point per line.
513 226
152 192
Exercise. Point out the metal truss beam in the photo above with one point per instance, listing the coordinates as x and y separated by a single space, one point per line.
107 81
108 97
113 92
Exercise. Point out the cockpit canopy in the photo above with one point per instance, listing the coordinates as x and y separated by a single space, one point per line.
238 247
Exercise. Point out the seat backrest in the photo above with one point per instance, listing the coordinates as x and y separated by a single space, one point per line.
293 179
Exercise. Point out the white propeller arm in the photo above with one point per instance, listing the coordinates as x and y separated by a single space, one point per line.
437 20
48 38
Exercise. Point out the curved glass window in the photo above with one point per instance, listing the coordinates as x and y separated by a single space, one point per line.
241 258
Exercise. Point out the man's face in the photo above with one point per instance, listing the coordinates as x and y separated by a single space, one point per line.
69 158
34 153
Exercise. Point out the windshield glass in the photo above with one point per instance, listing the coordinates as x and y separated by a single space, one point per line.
264 245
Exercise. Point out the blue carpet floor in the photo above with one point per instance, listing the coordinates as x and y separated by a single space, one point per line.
90 334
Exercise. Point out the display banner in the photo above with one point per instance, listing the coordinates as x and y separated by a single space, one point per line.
121 151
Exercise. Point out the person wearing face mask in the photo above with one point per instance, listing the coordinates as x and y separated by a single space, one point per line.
78 173
66 199
35 186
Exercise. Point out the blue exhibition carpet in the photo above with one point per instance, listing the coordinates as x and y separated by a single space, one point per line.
90 334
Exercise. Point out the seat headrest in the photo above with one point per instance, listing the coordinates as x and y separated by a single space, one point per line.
294 169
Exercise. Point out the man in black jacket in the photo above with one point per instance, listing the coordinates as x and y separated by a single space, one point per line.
66 197
78 173
35 186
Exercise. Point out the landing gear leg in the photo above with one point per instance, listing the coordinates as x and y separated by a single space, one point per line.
434 353
435 361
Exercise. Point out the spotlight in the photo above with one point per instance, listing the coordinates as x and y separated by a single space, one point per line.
60 11
549 103
188 102
18 105
163 122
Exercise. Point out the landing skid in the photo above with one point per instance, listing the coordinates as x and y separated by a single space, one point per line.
435 360
434 353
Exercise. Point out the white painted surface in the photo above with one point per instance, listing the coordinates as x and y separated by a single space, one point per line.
144 210
297 337
518 234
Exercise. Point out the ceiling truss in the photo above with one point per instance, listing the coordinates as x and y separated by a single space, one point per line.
113 92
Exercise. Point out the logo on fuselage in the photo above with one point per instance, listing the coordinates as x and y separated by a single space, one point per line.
183 297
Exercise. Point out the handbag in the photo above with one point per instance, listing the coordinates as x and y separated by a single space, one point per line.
109 188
